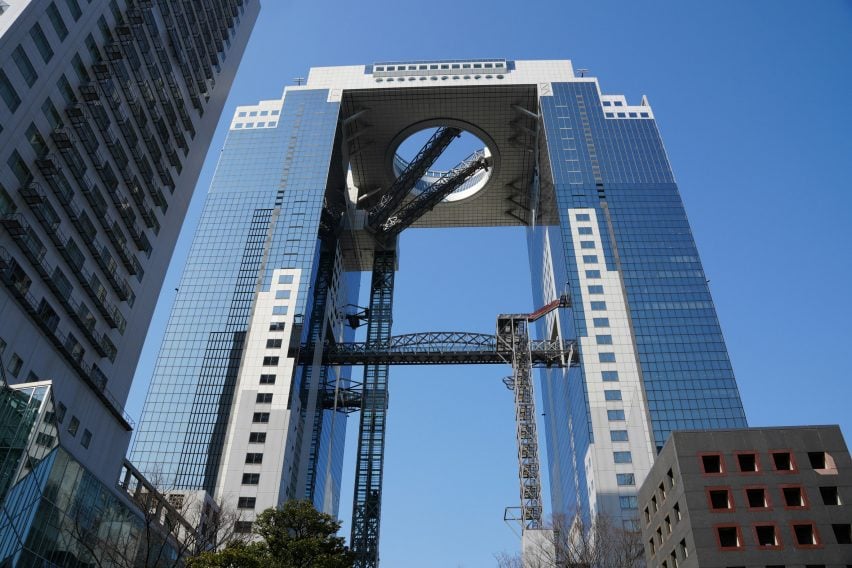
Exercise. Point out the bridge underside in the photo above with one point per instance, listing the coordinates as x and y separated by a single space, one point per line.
441 348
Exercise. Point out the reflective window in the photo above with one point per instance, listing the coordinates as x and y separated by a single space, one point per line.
618 435
615 415
612 394
622 457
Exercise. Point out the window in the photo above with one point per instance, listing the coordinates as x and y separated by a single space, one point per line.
246 502
66 90
684 552
747 462
603 339
830 496
794 497
36 140
587 244
601 322
612 395
618 435
607 103
606 357
596 289
676 511
61 409
609 376
28 72
254 458
712 463
842 533
15 364
251 478
74 8
242 527
766 536
279 310
19 167
8 93
73 426
273 343
720 499
628 502
593 274
615 415
625 479
822 462
585 230
282 294
45 440
757 498
257 437
270 361
590 258
583 217
729 537
285 279
622 457
7 206
598 306
276 326
264 398
41 42
805 534
86 439
267 379
783 461
260 417
57 22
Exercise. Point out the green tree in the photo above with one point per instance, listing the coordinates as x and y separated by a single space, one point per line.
235 556
293 536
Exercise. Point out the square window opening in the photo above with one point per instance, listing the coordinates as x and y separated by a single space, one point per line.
711 463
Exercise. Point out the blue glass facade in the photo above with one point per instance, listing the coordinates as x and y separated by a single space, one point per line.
611 165
262 215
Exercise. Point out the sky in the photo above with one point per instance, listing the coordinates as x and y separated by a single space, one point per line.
752 102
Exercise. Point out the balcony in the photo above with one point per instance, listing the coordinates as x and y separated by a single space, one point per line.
16 282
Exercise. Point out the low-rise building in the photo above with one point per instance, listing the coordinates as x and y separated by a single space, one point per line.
754 497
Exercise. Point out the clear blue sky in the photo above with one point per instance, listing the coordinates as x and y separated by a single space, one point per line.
752 101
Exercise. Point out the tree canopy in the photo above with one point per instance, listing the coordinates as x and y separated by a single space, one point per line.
294 535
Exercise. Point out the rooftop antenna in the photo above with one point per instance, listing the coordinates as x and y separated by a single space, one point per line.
582 72
299 80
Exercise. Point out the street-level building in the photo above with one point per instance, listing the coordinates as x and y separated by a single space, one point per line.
750 498
107 109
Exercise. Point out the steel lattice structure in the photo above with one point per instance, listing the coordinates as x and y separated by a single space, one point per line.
367 505
443 348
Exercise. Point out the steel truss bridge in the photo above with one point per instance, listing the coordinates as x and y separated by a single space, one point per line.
441 348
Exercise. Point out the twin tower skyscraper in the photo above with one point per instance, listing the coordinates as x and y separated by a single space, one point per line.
243 403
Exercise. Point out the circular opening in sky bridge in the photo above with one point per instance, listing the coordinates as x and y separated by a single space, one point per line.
461 150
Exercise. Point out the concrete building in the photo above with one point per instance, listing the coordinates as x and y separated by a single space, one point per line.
311 190
750 498
107 110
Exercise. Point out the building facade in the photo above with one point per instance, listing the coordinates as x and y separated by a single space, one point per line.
753 498
107 109
239 401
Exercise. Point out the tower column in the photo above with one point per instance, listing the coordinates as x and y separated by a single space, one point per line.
366 509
